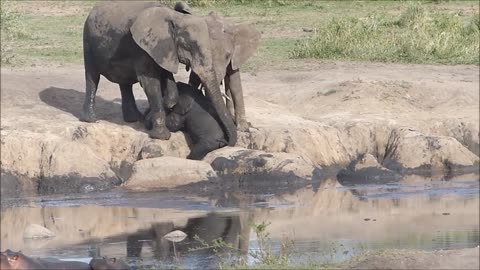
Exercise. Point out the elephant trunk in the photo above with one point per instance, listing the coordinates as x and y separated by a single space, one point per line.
213 89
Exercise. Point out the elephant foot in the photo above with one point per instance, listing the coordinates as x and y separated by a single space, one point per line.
148 124
155 122
147 119
160 134
132 116
88 116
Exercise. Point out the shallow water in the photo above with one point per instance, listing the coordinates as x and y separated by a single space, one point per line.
327 221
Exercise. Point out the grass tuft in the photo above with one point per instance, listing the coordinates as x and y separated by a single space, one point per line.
415 36
12 29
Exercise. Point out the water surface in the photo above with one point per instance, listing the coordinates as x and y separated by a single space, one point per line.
328 222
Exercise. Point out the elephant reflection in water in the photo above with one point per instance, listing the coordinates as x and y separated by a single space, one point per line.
231 229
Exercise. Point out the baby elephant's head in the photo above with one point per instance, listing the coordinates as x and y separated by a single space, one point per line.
186 98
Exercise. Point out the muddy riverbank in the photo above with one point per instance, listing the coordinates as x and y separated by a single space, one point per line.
412 119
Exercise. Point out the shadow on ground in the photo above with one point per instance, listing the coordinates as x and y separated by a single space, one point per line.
71 101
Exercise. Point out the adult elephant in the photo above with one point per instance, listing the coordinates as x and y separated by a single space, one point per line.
245 39
129 42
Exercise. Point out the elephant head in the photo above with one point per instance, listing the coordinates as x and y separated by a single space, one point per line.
232 43
206 44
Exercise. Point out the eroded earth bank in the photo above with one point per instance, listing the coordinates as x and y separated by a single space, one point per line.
374 120
319 134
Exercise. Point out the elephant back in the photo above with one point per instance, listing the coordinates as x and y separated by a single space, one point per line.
108 24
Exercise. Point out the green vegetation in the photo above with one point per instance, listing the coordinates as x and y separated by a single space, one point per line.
12 29
264 256
293 32
414 36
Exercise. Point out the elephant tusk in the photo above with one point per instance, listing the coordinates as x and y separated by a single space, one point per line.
227 97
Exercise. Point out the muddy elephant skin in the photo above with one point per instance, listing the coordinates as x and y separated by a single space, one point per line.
195 115
130 42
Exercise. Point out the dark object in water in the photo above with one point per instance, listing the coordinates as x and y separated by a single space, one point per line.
104 263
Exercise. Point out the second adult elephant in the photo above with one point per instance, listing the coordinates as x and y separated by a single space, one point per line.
138 41
245 41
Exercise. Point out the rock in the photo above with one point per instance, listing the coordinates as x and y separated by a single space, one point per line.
317 142
37 231
168 172
151 150
366 161
62 165
409 151
366 170
237 161
175 236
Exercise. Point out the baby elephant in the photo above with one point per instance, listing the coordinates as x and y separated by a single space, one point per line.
195 115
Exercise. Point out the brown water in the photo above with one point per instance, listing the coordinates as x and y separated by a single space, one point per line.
327 221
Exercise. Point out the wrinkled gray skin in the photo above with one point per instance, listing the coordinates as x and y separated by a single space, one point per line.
233 85
234 92
195 115
129 42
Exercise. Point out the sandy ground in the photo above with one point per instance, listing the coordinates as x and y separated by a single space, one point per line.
330 92
328 114
434 99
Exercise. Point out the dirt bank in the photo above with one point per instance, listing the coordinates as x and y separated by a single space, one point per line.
411 118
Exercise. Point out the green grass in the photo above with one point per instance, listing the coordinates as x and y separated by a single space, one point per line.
12 30
414 36
444 32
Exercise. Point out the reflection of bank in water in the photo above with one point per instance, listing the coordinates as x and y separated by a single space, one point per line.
228 228
330 223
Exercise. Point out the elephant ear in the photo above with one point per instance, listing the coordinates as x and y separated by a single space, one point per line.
153 31
246 39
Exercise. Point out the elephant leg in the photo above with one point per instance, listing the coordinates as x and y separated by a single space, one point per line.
234 84
201 149
149 75
129 107
91 84
156 116
169 88
134 245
